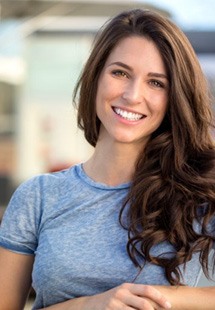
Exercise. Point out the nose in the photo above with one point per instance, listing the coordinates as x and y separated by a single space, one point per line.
133 94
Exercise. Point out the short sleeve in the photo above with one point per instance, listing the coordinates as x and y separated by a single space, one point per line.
19 226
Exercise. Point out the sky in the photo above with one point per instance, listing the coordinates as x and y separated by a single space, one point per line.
190 14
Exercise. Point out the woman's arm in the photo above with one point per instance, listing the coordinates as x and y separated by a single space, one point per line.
15 283
15 279
189 298
126 296
142 297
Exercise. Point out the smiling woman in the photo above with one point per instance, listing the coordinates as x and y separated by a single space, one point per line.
133 226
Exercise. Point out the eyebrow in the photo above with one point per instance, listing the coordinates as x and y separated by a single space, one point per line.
121 64
150 74
159 75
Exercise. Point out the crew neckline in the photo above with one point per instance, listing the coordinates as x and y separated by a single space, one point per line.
82 174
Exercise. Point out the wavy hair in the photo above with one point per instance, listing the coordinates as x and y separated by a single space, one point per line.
174 180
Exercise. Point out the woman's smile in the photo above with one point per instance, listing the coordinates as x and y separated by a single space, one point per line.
128 115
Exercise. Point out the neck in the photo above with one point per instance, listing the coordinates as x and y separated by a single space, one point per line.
112 164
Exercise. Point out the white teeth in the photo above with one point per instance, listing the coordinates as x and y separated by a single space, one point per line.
128 115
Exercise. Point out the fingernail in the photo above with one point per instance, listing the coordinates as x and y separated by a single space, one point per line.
168 305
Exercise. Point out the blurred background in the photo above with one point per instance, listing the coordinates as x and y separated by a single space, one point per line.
43 46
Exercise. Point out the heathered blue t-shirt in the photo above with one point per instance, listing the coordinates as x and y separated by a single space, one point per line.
71 224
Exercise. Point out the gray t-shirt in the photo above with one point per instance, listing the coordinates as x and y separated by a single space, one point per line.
71 224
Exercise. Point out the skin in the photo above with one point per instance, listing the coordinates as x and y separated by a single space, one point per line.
129 86
15 279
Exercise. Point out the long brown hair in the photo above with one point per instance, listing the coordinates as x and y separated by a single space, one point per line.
174 179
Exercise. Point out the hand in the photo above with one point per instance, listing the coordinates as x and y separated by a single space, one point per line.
128 296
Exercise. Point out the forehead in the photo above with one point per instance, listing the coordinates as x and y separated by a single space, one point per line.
137 51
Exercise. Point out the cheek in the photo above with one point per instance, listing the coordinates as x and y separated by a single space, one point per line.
109 88
163 107
159 106
105 95
101 100
101 89
161 102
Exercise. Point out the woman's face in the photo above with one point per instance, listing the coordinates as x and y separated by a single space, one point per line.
132 92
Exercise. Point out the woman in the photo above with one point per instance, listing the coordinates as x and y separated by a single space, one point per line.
132 227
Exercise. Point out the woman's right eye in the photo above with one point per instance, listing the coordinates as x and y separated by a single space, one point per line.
119 73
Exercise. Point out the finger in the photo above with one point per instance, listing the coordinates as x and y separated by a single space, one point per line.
139 303
150 292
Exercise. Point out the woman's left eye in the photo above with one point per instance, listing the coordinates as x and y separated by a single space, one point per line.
157 83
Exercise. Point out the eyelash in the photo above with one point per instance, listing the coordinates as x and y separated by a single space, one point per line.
157 83
119 73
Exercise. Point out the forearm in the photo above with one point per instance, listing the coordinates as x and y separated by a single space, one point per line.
189 298
73 304
134 296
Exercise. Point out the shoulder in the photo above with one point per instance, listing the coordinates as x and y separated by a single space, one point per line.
38 195
47 181
42 189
